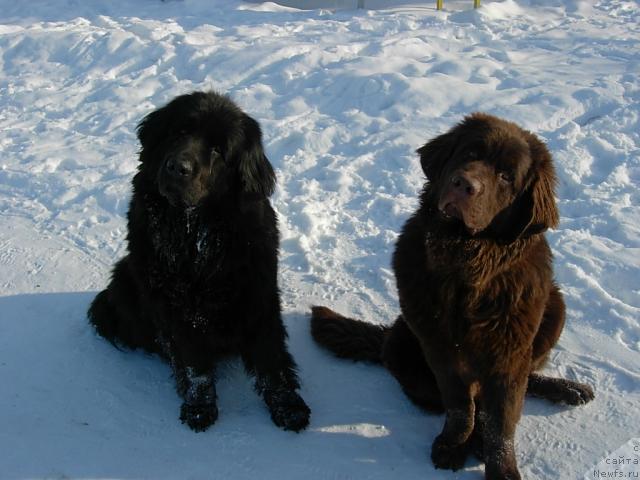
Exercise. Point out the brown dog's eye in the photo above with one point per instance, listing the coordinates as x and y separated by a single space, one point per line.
505 177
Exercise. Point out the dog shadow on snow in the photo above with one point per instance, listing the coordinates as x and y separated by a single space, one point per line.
73 406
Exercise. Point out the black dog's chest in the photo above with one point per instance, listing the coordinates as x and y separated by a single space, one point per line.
187 247
188 264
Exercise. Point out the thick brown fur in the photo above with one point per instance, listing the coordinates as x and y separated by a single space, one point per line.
480 309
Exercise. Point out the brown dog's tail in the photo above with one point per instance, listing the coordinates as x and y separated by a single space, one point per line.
345 337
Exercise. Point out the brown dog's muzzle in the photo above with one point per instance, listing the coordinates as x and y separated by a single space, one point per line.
462 197
462 190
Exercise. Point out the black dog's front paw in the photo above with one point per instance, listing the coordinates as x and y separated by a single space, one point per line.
288 410
198 417
447 456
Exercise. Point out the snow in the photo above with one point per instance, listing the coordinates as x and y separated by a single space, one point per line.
344 97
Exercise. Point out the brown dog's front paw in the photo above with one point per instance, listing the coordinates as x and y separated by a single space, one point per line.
559 390
447 456
578 394
501 472
198 417
476 445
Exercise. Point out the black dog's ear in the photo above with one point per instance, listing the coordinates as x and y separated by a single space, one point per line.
153 128
535 210
256 173
435 153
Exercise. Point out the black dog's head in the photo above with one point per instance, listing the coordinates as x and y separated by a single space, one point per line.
489 175
200 146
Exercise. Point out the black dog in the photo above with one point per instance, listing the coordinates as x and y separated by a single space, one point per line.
200 280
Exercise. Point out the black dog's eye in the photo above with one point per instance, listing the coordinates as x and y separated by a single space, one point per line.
215 153
472 155
505 177
181 130
176 134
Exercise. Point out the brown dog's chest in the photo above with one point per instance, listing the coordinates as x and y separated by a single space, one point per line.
481 309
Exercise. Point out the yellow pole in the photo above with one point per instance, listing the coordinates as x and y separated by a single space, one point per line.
476 3
439 4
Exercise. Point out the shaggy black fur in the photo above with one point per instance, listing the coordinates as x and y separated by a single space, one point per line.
200 280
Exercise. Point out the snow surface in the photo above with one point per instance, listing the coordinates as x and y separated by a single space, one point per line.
344 96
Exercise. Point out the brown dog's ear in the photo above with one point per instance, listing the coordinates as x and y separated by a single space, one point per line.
256 173
545 210
435 153
534 210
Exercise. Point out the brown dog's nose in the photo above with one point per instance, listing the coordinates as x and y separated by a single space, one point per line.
468 186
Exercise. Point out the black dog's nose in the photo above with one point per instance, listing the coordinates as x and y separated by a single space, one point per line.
179 167
466 185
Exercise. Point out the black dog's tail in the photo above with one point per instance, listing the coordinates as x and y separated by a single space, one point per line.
345 337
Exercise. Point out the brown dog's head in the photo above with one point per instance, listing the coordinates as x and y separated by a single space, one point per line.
492 178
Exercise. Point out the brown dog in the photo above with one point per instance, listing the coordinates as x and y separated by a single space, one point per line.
480 309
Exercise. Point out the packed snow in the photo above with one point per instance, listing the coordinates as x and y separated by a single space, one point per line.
344 96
